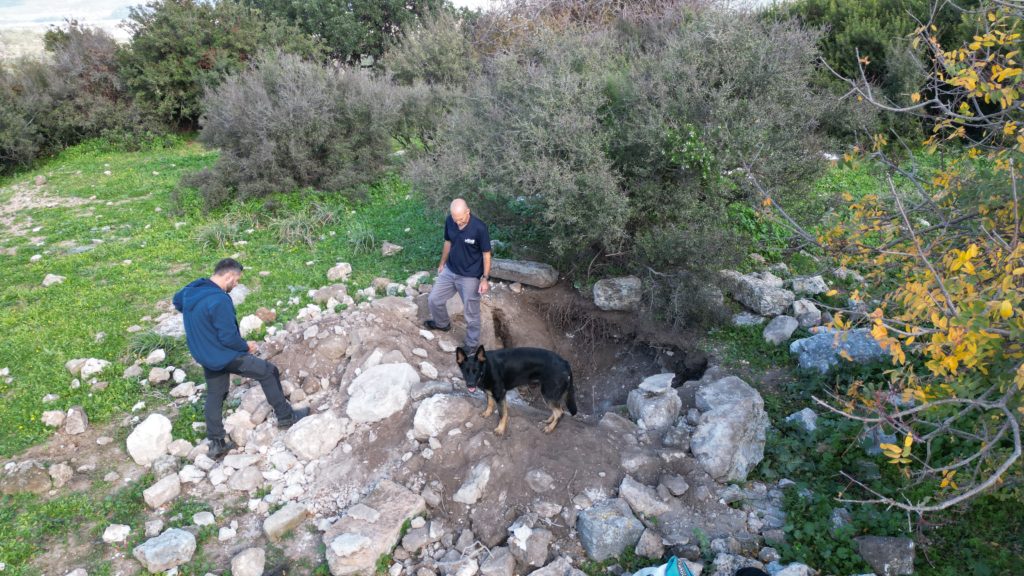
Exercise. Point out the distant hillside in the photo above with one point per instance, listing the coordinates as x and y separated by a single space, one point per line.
17 42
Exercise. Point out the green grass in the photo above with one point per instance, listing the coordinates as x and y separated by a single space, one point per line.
745 345
384 562
28 523
45 327
183 509
182 425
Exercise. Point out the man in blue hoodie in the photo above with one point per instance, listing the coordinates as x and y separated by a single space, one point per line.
211 330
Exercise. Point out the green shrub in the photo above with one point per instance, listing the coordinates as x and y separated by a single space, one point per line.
361 237
351 29
436 50
181 47
73 95
304 226
619 149
286 124
879 31
20 140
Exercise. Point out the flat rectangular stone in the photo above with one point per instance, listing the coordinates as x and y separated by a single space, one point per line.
165 490
354 542
285 519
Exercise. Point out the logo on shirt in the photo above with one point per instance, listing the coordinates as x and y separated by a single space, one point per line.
470 240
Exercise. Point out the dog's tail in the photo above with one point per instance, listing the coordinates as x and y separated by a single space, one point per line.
570 397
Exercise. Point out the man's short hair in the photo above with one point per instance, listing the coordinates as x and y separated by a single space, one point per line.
227 265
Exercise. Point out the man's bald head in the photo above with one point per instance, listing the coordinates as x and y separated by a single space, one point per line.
460 212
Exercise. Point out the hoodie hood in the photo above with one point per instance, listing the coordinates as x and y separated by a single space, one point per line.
196 291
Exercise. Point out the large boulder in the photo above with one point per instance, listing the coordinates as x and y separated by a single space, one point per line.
339 272
166 489
173 326
608 529
887 556
339 292
809 285
238 425
172 548
150 439
316 435
76 422
249 324
618 293
380 392
53 418
824 350
60 473
525 272
438 413
805 419
806 313
642 499
355 542
730 436
279 523
655 402
396 305
248 479
499 562
249 562
93 367
761 292
529 545
779 329
238 294
51 279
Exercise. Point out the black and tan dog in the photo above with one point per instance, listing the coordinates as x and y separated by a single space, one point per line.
499 371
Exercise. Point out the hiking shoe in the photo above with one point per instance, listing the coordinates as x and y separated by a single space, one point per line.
430 324
297 414
219 447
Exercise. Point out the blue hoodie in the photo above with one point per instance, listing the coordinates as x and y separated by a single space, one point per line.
211 328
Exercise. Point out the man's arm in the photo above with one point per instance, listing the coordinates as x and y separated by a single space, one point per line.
444 255
485 281
226 327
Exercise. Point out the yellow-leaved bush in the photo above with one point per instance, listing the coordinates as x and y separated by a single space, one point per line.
941 252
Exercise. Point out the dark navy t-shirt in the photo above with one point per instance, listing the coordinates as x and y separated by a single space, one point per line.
466 257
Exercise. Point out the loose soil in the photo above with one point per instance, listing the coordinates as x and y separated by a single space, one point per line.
610 352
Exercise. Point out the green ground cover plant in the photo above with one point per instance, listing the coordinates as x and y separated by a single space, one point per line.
149 246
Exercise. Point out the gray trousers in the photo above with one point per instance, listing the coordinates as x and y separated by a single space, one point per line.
445 286
218 382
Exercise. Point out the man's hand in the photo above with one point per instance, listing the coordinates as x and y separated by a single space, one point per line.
440 267
485 285
252 347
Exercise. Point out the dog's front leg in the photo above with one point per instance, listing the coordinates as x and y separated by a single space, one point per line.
490 405
556 413
503 423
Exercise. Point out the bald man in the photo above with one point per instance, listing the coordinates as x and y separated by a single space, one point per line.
464 269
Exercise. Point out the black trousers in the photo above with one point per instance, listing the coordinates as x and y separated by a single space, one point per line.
218 382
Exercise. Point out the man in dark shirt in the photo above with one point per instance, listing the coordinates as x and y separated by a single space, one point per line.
464 269
211 331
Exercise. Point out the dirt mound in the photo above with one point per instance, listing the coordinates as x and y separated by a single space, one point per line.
475 484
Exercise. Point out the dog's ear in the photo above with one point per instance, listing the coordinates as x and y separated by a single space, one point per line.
460 355
480 355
